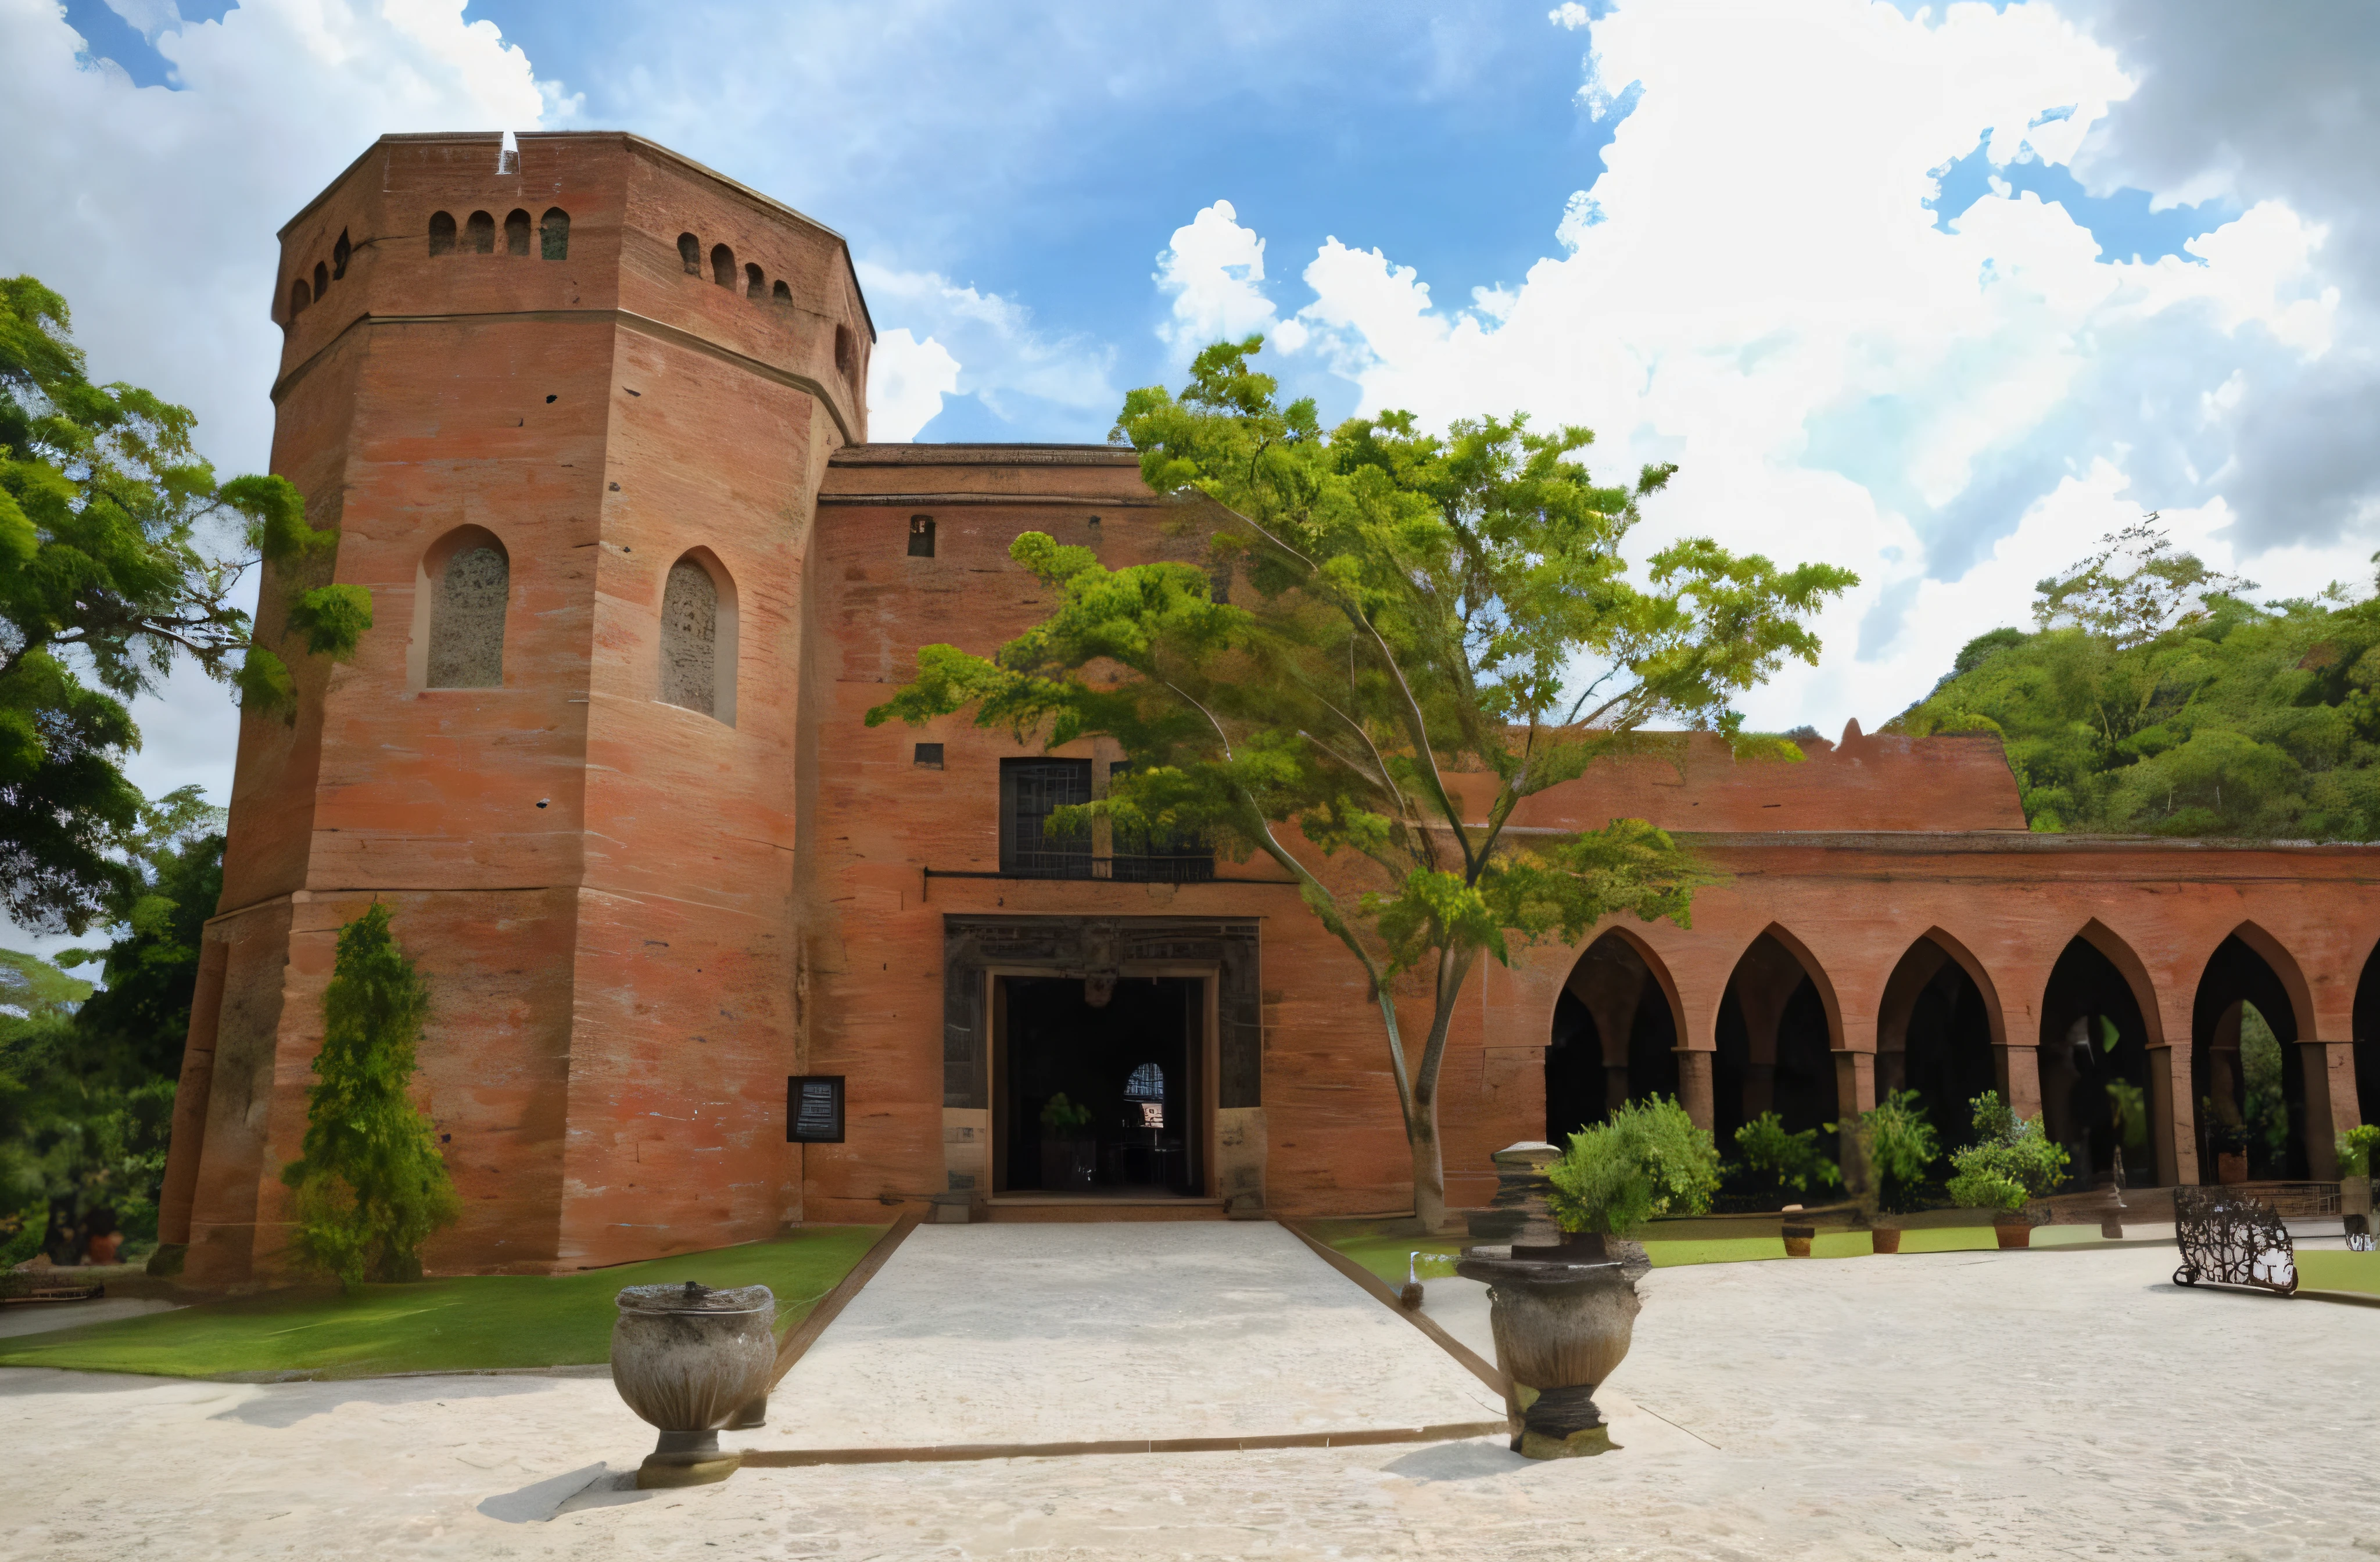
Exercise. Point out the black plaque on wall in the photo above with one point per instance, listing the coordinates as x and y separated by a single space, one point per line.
814 1109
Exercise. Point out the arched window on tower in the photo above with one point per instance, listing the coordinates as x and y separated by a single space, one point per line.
321 279
756 286
690 253
299 296
441 233
461 591
479 234
847 354
554 234
516 232
723 265
339 253
783 295
698 661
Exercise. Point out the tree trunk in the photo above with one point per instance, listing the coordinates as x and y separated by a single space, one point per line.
1428 1163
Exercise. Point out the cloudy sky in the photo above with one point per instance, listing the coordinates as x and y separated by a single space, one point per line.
1941 294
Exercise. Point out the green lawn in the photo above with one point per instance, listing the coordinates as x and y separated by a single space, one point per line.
1374 1245
2333 1269
437 1325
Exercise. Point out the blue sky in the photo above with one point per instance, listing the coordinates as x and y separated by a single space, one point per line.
1938 293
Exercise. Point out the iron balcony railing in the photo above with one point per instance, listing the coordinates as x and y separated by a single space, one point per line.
1173 867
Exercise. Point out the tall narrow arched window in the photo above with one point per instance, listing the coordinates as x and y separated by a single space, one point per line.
783 295
441 233
321 279
299 296
723 265
516 232
339 253
479 234
690 253
846 353
554 235
468 578
756 286
698 661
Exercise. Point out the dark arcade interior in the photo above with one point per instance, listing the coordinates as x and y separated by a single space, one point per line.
2094 1070
2246 1074
1947 1058
1132 1062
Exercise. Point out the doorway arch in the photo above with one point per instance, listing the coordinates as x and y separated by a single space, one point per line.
2247 1079
2097 1089
1614 1037
1779 1028
1935 1032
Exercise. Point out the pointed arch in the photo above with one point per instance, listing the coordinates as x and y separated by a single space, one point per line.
1817 972
2105 939
2274 953
1655 967
1609 992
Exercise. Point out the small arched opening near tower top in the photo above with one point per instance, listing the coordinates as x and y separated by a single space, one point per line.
461 590
723 265
690 253
299 296
697 640
321 279
554 234
783 295
441 233
756 285
516 232
846 353
339 253
479 234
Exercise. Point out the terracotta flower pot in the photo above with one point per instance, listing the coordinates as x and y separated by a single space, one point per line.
1885 1238
1798 1239
1561 1329
2230 1166
2012 1234
690 1361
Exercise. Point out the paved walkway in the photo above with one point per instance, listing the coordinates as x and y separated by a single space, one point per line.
1065 1333
1981 1406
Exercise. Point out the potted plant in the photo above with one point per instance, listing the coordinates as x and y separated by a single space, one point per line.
1779 1163
2010 1162
1563 1315
690 1361
2356 1147
1067 1152
1900 1147
2227 1145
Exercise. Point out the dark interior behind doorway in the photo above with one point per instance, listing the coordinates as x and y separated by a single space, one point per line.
1132 1064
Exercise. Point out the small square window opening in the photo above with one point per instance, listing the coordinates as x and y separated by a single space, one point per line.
921 536
930 756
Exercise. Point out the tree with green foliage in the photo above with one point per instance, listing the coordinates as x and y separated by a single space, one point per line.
1644 1159
2153 698
1433 630
86 1078
1897 1140
371 1184
121 551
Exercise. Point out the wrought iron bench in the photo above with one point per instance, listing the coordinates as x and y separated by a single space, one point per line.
2232 1238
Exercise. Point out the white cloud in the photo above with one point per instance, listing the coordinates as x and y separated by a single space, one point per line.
154 211
1213 268
1756 289
907 382
988 347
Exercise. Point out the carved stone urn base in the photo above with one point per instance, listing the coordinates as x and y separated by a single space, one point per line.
1560 1329
687 1458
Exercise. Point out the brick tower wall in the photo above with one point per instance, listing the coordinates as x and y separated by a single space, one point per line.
596 884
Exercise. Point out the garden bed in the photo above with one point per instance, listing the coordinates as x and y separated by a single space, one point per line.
468 1324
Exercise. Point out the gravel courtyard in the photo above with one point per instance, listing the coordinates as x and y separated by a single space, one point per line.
1976 1405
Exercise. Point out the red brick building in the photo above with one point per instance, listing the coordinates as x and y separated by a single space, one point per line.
590 423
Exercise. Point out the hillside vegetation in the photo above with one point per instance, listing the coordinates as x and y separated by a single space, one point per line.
2154 697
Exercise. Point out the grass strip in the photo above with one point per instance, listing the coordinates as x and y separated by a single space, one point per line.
2335 1269
464 1324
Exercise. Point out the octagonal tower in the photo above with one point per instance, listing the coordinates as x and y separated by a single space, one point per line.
567 408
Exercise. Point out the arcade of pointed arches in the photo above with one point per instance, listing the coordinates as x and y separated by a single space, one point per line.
2107 1082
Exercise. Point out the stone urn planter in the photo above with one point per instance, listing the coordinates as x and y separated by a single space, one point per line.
691 1360
1563 1315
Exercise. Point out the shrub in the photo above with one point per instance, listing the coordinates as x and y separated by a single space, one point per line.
371 1184
1786 1162
1064 1117
2355 1150
2010 1162
1901 1148
1646 1158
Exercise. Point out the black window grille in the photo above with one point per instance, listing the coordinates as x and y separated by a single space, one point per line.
1031 790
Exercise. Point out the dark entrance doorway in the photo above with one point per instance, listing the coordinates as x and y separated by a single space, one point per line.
1130 1071
2245 1071
2095 1070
